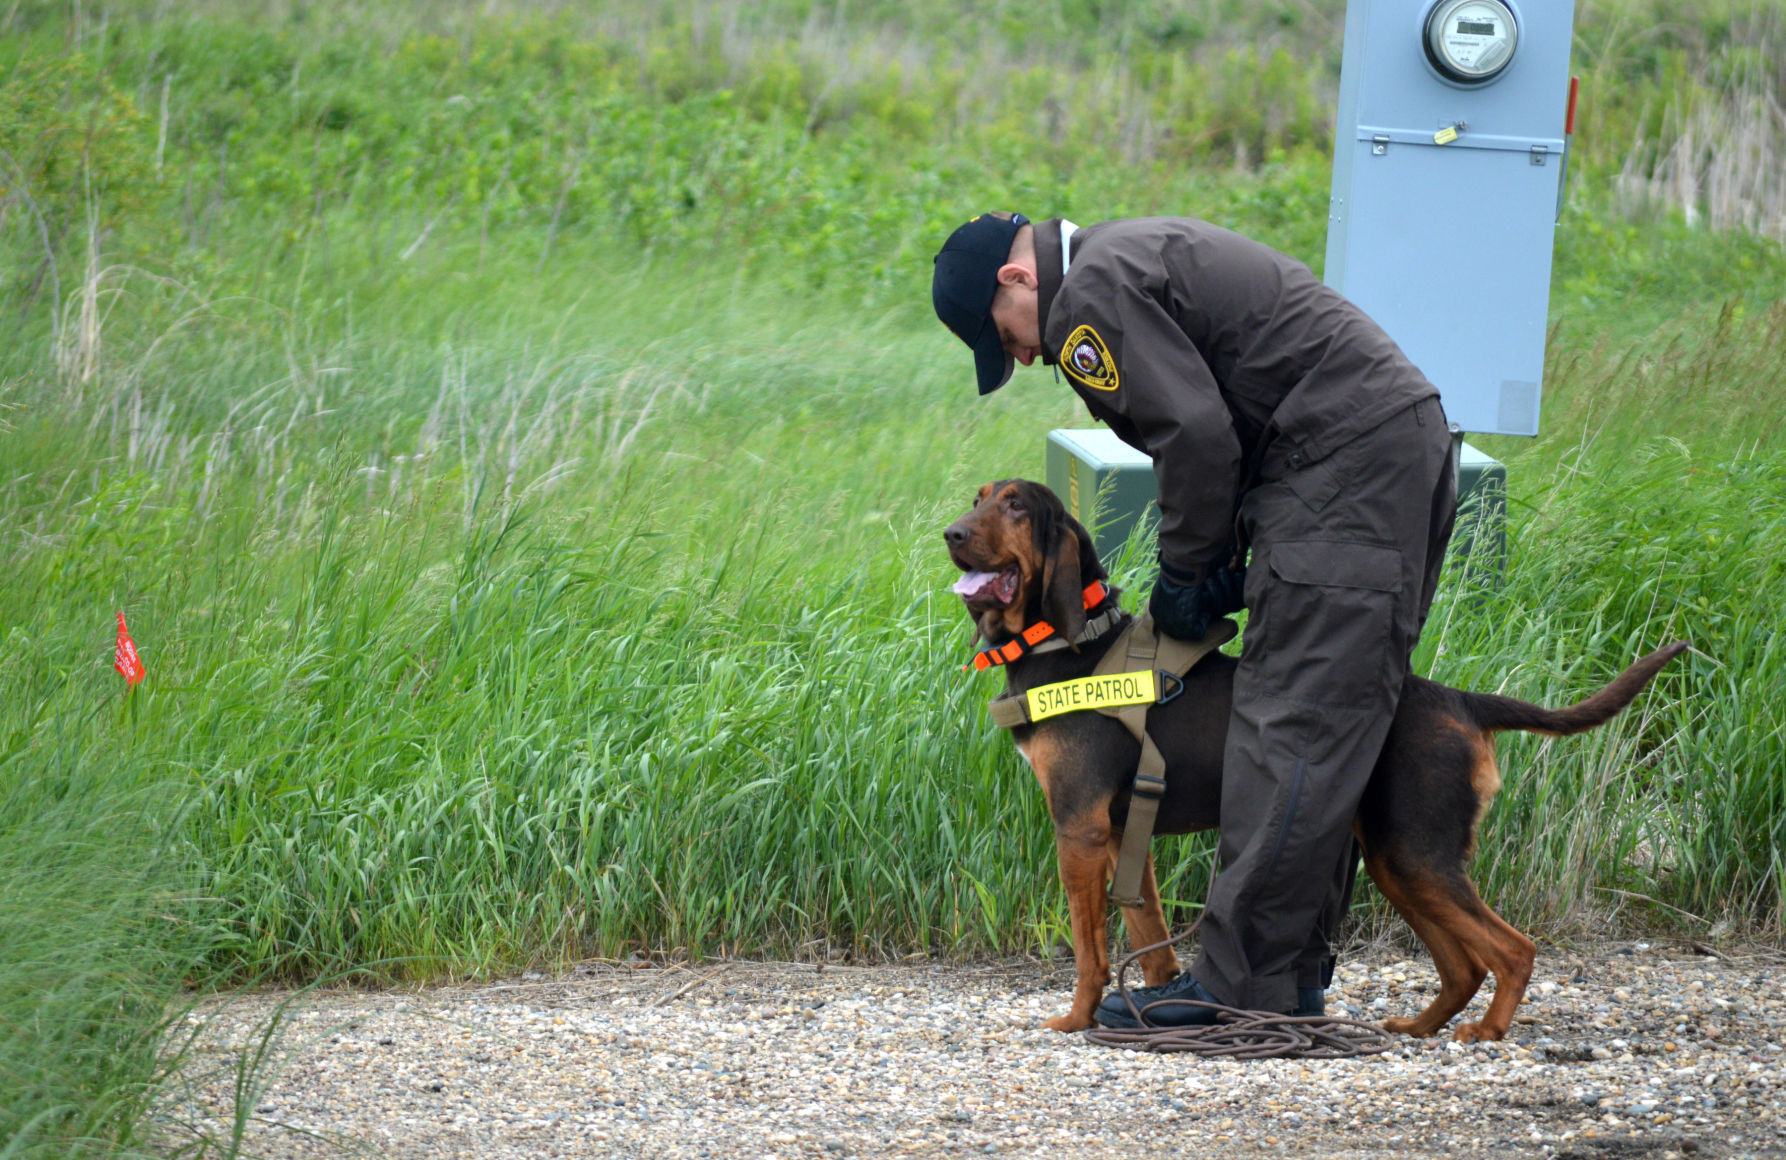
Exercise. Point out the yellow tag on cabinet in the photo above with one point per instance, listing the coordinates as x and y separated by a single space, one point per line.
1445 136
1092 693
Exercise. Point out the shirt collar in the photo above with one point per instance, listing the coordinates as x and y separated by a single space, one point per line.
1054 256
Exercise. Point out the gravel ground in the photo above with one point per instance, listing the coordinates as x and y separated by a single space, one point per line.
1620 1051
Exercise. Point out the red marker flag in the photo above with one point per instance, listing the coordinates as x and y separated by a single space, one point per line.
126 661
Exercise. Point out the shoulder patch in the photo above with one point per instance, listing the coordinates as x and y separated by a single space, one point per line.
1085 358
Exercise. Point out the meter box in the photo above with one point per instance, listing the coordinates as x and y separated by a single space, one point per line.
1098 476
1447 177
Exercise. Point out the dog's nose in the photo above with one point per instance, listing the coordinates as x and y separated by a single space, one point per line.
955 535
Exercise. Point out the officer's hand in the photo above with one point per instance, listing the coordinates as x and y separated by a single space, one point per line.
1184 610
1226 587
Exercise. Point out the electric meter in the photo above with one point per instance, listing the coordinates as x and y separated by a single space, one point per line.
1471 41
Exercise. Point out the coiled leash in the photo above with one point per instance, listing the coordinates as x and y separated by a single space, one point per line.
1238 1033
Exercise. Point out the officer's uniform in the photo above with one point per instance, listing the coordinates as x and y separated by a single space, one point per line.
1271 404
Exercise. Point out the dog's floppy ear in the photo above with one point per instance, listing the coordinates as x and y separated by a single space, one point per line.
1064 547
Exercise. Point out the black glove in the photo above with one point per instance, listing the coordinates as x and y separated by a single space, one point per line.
1226 586
1184 609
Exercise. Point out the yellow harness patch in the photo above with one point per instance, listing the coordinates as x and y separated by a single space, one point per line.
1092 693
1085 358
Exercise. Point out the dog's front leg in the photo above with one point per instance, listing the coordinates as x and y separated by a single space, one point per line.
1082 862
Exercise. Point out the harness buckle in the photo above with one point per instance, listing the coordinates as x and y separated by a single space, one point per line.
1167 696
1148 785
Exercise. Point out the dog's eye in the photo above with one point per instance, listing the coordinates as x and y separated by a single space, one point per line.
1014 506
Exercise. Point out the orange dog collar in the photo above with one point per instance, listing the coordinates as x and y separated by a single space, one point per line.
1025 642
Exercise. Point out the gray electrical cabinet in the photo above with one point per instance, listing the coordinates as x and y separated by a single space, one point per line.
1447 177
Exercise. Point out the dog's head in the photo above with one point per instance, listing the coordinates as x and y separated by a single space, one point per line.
1026 560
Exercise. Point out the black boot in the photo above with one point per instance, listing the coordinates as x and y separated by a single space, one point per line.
1175 998
1113 1012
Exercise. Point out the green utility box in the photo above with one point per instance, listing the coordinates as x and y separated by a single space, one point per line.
1085 464
1480 537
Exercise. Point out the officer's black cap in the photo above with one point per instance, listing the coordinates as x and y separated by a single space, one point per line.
963 285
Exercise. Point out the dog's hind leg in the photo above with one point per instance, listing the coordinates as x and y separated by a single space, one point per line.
1146 923
1082 862
1509 955
1429 907
1467 941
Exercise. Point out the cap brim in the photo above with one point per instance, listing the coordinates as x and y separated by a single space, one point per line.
991 363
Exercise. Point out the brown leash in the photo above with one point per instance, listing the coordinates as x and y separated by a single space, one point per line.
1238 1033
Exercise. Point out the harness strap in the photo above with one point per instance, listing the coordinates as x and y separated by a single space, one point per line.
1105 691
1150 778
1139 652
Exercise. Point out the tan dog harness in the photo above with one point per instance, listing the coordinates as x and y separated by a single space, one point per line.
1141 668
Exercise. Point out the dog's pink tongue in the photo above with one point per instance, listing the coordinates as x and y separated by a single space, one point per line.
973 583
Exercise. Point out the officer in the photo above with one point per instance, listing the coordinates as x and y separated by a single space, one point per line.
1278 416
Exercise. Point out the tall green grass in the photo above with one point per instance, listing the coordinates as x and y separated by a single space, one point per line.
502 684
99 927
1622 548
528 505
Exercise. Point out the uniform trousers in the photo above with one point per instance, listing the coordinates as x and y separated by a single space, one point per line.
1346 554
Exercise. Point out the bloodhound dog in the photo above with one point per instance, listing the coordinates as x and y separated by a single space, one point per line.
1027 562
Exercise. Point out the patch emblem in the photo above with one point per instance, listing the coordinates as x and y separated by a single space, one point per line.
1087 359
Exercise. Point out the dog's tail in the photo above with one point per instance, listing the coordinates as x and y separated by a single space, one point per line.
1495 712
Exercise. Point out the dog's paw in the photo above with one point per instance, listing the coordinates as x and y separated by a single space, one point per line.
1068 1022
1158 975
1399 1026
1477 1033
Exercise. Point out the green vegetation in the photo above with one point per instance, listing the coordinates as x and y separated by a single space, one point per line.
94 946
521 445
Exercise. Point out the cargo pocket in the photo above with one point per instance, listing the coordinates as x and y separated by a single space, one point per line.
1329 613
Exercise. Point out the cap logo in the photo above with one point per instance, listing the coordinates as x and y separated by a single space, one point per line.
1086 359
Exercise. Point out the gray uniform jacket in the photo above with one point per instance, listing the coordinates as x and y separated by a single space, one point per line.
1217 356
